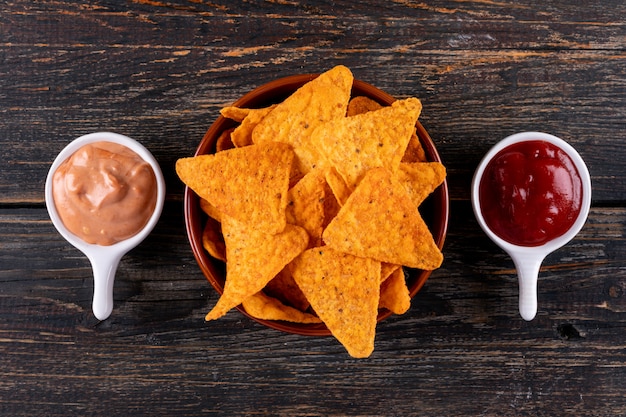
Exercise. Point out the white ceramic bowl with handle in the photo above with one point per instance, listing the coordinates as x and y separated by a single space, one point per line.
528 259
104 259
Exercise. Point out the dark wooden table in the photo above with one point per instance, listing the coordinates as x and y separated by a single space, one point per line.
159 71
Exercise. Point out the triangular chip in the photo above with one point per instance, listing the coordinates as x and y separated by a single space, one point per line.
224 141
284 288
420 179
379 221
254 258
305 205
242 135
340 189
414 151
387 269
344 292
210 210
323 99
235 113
213 241
361 104
249 184
394 294
377 138
265 307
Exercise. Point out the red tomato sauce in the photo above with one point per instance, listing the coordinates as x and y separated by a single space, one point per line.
530 193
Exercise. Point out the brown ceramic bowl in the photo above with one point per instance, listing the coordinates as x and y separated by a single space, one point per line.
434 210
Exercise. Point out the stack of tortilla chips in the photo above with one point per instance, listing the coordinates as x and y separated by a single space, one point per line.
313 206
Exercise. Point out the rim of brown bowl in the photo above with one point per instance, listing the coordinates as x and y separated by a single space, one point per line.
275 92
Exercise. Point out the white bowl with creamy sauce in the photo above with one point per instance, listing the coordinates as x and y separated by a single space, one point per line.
104 193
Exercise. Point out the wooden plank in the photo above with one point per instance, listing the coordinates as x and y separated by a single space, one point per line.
481 79
462 339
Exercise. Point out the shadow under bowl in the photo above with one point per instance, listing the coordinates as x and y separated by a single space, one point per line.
434 210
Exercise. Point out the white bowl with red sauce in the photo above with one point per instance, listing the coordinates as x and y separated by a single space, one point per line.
531 194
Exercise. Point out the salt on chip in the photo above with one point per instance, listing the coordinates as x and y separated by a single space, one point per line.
254 258
265 307
305 205
344 291
353 145
249 184
420 179
379 221
394 294
320 100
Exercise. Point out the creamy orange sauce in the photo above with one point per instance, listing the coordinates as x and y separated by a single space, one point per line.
104 193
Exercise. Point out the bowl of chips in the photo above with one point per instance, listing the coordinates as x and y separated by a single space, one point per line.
317 204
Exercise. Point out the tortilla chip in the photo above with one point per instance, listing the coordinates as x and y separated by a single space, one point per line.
224 141
265 307
344 292
235 113
394 294
210 210
380 210
353 145
331 206
284 288
420 179
213 241
387 269
340 189
249 184
305 205
242 135
414 151
254 258
362 104
292 121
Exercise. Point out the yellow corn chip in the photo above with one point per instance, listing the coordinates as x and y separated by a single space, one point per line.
420 179
265 307
394 294
387 269
414 151
254 258
379 221
210 210
213 241
305 205
249 184
284 288
242 135
378 138
224 141
344 292
331 206
292 121
340 189
235 113
362 104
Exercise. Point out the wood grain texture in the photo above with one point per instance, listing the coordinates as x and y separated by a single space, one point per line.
159 71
